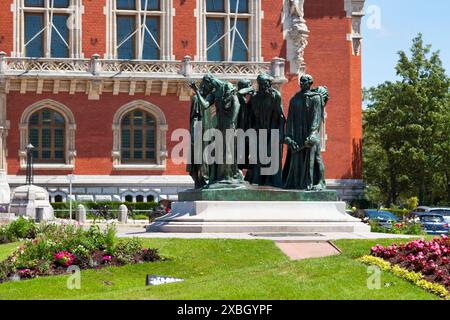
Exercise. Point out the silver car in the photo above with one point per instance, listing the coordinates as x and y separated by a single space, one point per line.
443 211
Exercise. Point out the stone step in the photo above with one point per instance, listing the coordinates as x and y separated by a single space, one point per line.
243 227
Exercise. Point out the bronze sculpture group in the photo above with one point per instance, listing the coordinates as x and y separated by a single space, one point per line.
222 106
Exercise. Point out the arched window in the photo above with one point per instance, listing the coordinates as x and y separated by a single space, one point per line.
138 136
140 198
50 127
150 198
58 198
129 198
46 133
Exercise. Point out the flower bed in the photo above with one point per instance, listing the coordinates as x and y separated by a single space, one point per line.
429 258
56 248
21 228
404 227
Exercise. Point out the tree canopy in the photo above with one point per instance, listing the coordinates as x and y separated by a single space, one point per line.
406 140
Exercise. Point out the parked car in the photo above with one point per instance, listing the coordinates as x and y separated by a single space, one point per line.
433 223
383 219
445 212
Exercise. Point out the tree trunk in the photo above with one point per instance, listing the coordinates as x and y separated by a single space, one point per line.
422 188
448 187
393 182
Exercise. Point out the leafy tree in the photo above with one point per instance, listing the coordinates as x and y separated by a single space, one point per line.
406 130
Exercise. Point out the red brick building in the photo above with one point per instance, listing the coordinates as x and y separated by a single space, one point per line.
99 86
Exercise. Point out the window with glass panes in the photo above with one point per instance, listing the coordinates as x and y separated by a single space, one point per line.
46 132
138 24
227 30
49 28
138 137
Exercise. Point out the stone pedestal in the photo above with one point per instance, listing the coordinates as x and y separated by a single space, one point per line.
5 192
123 214
27 199
81 214
257 210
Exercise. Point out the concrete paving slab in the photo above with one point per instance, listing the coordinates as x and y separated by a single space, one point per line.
307 250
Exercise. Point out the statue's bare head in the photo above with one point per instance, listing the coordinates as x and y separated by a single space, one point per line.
306 82
210 82
244 83
264 82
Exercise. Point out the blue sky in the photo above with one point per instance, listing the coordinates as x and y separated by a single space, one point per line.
401 21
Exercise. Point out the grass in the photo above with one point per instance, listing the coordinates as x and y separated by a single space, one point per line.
225 269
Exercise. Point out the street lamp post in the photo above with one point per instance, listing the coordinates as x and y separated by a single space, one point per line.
70 177
30 149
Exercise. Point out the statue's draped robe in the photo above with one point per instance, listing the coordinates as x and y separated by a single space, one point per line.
303 121
227 108
244 123
267 113
200 121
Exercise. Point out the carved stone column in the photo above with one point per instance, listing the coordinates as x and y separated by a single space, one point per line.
355 11
296 35
5 192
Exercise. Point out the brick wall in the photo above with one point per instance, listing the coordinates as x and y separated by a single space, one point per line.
328 56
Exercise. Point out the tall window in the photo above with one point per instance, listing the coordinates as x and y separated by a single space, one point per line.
138 137
227 30
138 26
46 133
51 28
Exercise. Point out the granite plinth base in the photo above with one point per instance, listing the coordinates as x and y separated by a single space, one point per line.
257 216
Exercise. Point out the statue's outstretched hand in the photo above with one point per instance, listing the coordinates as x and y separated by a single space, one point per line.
193 86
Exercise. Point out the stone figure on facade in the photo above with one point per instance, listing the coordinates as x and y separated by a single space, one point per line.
224 172
296 9
267 114
304 168
297 36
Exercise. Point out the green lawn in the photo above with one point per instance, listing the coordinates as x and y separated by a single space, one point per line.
225 269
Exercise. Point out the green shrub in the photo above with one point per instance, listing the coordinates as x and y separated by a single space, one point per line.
21 228
84 248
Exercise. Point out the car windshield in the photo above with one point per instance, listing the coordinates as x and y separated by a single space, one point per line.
443 212
431 219
381 215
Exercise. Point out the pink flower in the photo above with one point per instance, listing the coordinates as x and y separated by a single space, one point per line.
64 258
107 258
23 272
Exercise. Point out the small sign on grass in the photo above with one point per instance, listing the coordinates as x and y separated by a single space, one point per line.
153 280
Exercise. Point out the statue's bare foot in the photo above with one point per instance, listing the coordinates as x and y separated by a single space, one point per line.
319 187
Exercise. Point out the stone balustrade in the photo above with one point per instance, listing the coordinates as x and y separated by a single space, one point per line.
142 69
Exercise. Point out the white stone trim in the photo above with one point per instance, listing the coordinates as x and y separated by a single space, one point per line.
75 10
161 139
149 181
70 125
255 16
296 33
166 29
355 11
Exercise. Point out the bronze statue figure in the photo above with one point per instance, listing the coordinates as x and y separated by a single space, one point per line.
267 114
223 96
200 122
304 168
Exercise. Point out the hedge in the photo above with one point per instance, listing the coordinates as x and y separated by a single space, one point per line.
62 208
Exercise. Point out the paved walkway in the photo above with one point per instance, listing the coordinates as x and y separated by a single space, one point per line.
135 231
